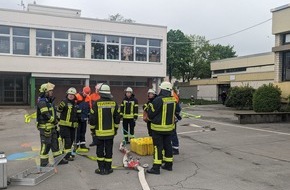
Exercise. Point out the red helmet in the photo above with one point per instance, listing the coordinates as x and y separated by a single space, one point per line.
87 90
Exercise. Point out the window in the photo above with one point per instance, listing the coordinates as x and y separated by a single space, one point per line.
113 47
116 83
21 41
4 39
61 43
43 42
286 38
286 67
98 47
78 45
127 48
154 50
141 84
141 49
128 83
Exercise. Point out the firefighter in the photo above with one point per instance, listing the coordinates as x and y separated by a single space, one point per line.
46 124
84 103
104 120
151 96
162 112
129 112
68 123
174 137
94 97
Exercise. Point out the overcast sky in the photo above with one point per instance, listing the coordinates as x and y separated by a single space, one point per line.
209 18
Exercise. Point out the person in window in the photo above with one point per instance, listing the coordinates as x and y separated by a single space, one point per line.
129 112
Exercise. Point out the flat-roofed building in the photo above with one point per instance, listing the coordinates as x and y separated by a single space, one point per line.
58 45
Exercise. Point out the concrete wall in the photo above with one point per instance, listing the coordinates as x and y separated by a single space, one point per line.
280 19
207 92
254 84
244 61
185 92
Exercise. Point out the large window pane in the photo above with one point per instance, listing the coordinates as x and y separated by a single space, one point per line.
4 44
20 45
77 36
4 30
61 35
78 49
112 52
21 31
141 54
154 43
61 48
154 54
141 41
43 47
98 51
127 53
287 38
43 33
98 38
286 66
127 40
112 39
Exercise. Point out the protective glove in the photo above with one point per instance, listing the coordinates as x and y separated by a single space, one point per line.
178 117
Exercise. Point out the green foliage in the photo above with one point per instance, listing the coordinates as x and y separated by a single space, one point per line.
119 18
240 97
267 98
178 54
189 57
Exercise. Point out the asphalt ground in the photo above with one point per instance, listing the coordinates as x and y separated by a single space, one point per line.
234 157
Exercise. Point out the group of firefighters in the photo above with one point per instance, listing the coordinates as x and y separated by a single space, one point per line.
68 122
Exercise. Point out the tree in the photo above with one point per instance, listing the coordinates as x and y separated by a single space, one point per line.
178 54
119 18
218 51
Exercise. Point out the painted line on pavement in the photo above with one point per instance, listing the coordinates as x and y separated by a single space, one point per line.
242 127
186 132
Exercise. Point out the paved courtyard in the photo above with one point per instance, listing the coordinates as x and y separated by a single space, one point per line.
234 157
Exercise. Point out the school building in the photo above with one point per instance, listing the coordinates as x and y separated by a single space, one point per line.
57 45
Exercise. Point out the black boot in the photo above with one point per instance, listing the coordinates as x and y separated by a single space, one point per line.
175 151
101 169
167 166
63 161
154 170
44 162
69 157
108 168
83 146
92 144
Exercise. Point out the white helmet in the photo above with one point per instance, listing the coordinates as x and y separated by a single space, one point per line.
129 89
72 91
105 89
166 86
151 91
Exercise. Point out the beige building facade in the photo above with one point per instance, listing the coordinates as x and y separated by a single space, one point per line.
57 45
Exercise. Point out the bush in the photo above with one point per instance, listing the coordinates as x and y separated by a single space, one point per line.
267 98
240 97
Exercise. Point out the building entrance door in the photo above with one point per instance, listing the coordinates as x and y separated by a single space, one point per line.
13 90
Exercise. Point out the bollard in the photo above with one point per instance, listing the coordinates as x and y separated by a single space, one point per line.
3 171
